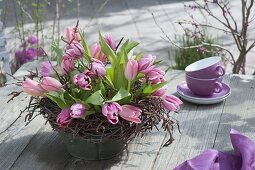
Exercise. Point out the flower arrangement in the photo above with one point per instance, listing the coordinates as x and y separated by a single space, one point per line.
103 92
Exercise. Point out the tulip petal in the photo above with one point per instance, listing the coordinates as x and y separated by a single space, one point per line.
130 113
50 84
32 87
170 106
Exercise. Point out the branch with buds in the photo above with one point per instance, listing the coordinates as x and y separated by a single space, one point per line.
228 24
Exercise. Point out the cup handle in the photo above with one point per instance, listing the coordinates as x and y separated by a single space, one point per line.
217 87
220 70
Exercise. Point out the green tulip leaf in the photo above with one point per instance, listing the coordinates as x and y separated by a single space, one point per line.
122 93
87 113
55 48
107 50
73 73
59 99
138 56
95 98
152 88
157 62
130 46
87 53
120 80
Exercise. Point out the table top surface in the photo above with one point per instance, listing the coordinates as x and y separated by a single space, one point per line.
203 127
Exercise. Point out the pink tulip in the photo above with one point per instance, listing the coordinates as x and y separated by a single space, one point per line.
111 110
32 87
131 69
78 110
70 54
157 80
97 67
91 74
172 103
130 113
78 48
83 80
160 92
155 73
51 84
72 34
47 69
146 63
64 117
110 41
97 53
67 65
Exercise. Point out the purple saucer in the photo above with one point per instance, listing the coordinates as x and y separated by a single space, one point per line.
187 94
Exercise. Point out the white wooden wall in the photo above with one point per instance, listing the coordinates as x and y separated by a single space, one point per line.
4 55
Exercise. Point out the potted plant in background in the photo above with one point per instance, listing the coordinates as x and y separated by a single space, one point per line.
97 107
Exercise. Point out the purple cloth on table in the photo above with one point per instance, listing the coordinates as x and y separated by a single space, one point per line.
243 159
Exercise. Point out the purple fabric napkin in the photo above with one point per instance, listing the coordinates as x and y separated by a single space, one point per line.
243 159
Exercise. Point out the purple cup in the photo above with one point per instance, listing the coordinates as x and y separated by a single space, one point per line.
207 68
204 87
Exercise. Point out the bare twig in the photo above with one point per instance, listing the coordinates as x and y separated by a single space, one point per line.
119 43
99 10
13 94
190 47
239 33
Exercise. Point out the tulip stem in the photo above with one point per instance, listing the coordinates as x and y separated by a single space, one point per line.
129 85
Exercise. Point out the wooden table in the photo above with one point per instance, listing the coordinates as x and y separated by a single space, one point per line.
36 146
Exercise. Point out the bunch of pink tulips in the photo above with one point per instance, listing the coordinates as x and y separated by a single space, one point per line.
81 84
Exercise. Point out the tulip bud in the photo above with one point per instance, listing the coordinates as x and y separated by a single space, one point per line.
78 48
110 41
97 67
64 117
111 110
72 34
131 69
51 84
145 64
97 53
160 92
130 113
172 103
155 73
32 87
157 80
78 110
47 69
67 65
70 54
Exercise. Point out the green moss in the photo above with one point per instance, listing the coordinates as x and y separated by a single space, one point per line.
184 57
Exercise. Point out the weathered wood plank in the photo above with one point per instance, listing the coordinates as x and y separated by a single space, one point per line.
14 139
4 57
148 31
115 18
199 125
239 112
45 151
2 41
18 103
